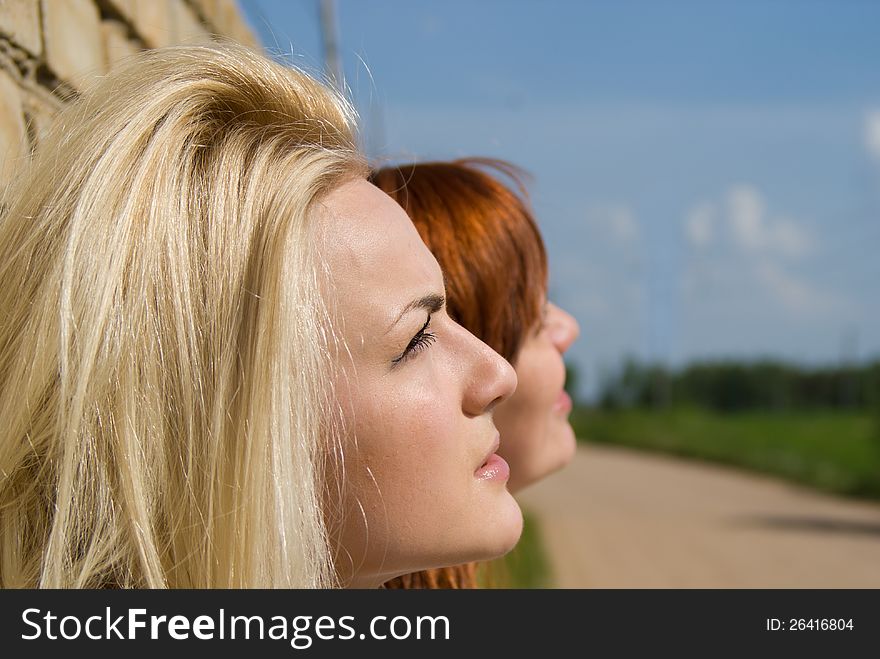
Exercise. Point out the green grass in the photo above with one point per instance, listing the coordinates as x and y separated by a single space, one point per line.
830 450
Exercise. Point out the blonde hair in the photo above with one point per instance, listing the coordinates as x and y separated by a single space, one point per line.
163 341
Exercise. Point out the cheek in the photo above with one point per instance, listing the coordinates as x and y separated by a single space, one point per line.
534 435
540 377
404 438
523 419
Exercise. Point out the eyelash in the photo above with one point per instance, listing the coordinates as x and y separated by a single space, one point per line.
420 341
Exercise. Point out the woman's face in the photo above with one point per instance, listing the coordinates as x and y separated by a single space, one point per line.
422 485
536 438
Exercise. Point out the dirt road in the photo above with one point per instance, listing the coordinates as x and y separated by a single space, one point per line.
616 518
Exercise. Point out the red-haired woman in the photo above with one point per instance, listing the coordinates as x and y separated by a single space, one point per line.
484 236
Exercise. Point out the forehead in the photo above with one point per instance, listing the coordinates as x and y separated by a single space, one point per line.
376 258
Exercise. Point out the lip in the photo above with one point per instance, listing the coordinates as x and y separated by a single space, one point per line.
493 466
563 403
495 469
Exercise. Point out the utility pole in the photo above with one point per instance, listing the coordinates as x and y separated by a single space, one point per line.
330 37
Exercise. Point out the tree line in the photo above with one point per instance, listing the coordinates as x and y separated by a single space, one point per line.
730 386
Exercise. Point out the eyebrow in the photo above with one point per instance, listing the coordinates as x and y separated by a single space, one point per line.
431 303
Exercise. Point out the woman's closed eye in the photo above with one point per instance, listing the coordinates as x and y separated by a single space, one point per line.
420 341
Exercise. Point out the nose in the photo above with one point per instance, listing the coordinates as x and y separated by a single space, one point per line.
490 378
564 329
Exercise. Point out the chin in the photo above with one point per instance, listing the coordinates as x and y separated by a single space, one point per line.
567 443
483 539
502 534
509 528
557 453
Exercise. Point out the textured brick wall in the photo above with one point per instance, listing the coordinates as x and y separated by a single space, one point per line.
50 49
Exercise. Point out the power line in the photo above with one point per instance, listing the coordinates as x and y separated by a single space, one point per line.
330 40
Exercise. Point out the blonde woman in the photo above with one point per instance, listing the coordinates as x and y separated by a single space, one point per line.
225 358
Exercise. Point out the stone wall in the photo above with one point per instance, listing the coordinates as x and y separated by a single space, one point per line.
49 49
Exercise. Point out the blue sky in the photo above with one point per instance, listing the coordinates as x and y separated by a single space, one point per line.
706 174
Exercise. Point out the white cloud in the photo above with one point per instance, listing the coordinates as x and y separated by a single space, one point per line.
623 225
872 133
760 284
795 294
593 290
790 238
617 221
699 225
754 230
745 216
753 266
748 225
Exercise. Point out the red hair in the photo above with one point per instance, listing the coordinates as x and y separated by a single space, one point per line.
482 232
